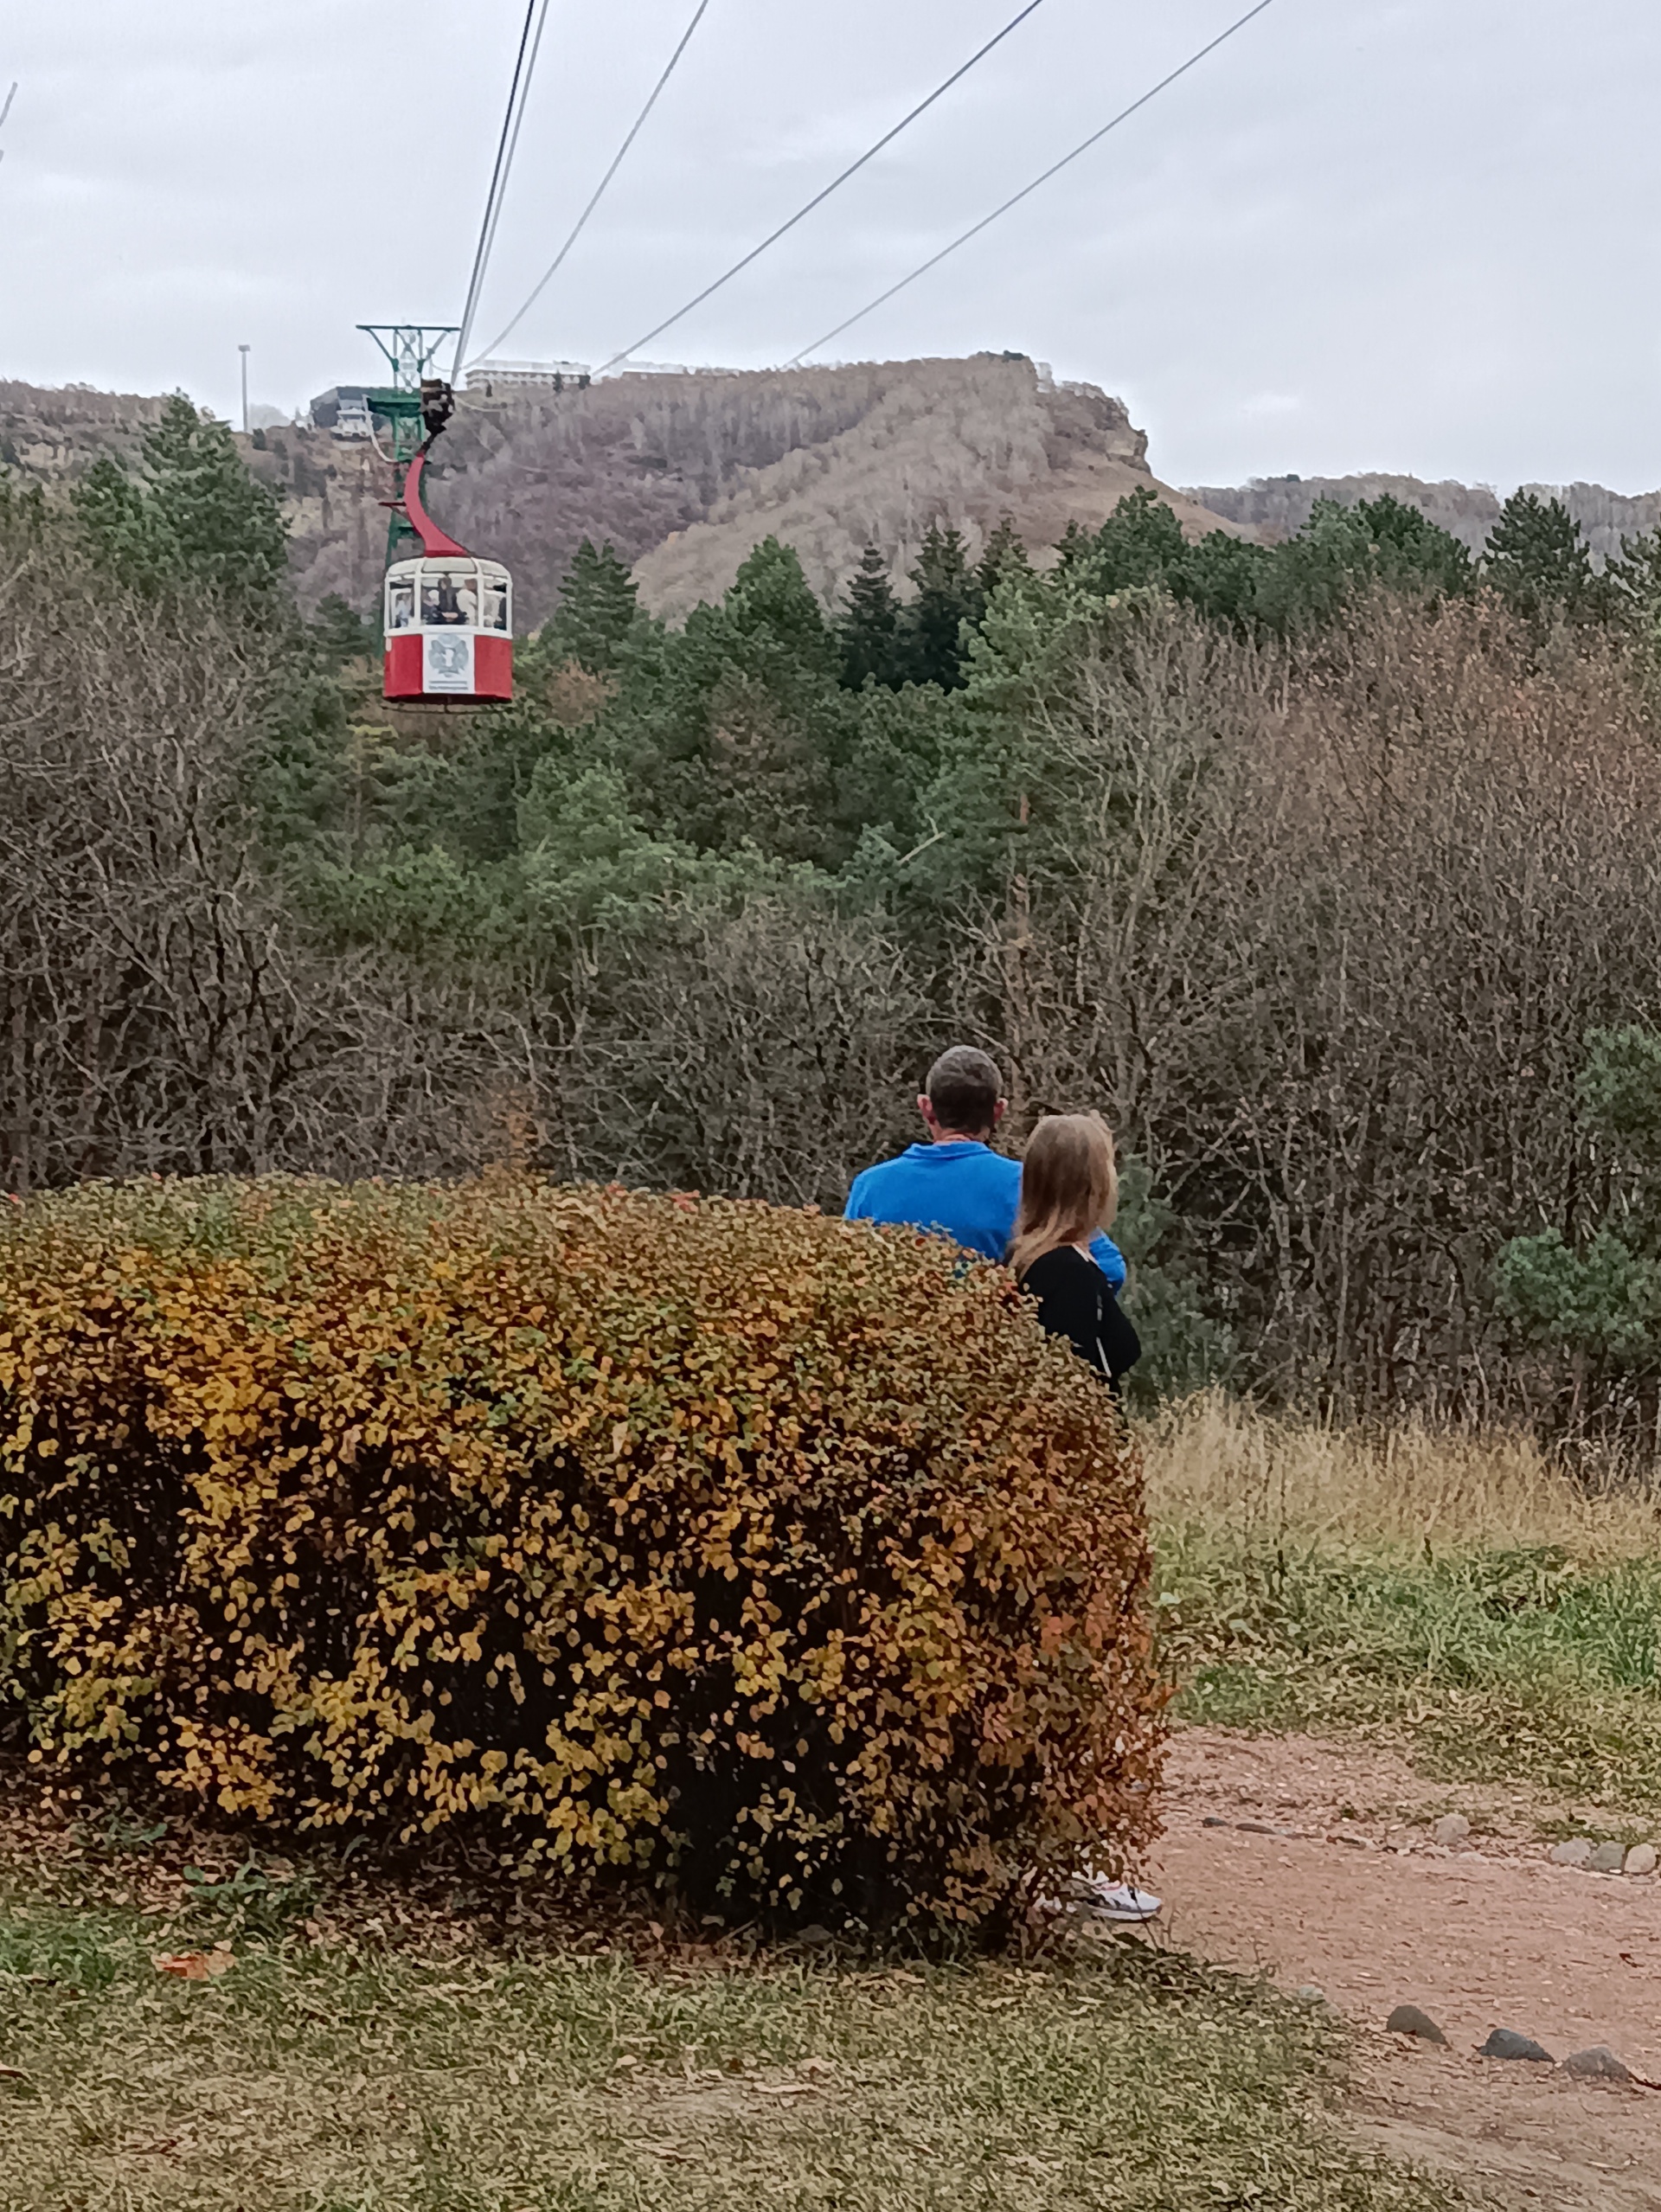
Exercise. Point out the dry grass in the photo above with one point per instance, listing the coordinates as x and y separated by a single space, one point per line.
1220 1465
1498 1616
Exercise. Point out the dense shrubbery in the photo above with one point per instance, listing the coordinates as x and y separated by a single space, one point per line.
781 1562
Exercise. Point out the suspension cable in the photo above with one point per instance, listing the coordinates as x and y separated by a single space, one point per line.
553 267
518 91
1015 200
820 197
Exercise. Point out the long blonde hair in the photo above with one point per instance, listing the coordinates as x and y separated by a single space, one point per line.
1069 1186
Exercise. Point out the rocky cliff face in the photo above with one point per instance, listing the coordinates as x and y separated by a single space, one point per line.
51 436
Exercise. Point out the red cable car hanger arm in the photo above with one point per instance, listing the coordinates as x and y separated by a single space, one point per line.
433 540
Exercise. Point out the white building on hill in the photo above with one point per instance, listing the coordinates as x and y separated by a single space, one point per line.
496 377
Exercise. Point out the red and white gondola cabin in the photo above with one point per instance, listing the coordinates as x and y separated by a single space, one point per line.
448 616
449 625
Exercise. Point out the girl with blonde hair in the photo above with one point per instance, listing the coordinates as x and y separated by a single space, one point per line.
1069 1193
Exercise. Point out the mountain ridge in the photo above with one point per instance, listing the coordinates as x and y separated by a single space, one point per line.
683 474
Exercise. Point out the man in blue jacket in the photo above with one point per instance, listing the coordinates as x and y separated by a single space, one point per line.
955 1184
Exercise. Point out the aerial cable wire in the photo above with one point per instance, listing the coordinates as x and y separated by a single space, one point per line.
513 148
518 91
819 198
553 267
1026 191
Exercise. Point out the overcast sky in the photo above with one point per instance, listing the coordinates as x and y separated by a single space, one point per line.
1410 234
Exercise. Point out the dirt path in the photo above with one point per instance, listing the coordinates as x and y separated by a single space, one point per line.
1335 1883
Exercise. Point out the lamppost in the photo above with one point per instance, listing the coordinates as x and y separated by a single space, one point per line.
243 350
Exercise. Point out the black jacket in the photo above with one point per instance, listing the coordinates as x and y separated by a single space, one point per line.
1075 1300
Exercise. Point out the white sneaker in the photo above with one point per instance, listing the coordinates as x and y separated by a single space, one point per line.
1117 1901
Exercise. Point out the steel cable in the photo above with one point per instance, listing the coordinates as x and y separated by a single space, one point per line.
507 144
986 221
581 223
819 198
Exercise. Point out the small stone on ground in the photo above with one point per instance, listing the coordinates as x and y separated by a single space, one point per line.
1608 1858
1598 2064
1408 2020
1576 1852
1452 1828
1641 1859
1505 2042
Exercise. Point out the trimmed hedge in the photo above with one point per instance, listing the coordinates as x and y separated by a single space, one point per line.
782 1562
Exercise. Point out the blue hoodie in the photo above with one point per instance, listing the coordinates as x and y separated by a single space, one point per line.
961 1189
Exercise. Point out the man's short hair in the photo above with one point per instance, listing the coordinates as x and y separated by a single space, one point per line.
964 1088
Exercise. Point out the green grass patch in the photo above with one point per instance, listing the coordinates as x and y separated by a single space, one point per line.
1501 1666
359 2077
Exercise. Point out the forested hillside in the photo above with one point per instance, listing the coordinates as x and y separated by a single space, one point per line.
1274 507
681 474
1327 869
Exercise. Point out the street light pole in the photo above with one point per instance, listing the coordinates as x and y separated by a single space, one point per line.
243 350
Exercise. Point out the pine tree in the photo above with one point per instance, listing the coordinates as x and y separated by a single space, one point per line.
869 627
947 597
1410 552
772 602
194 517
1539 561
1342 551
224 527
597 609
1633 584
121 525
1005 555
341 632
1140 542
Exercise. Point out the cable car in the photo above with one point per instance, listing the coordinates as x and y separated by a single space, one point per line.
447 616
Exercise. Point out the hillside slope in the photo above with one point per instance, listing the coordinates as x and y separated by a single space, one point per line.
1274 507
682 474
51 436
920 442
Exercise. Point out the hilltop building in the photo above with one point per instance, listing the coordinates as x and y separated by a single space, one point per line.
496 378
344 409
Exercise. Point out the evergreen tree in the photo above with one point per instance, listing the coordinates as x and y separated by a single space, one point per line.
1222 576
869 626
1538 561
1633 584
597 609
772 603
1601 1295
1410 552
194 515
341 634
729 731
947 597
1141 543
121 524
1005 555
1309 580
